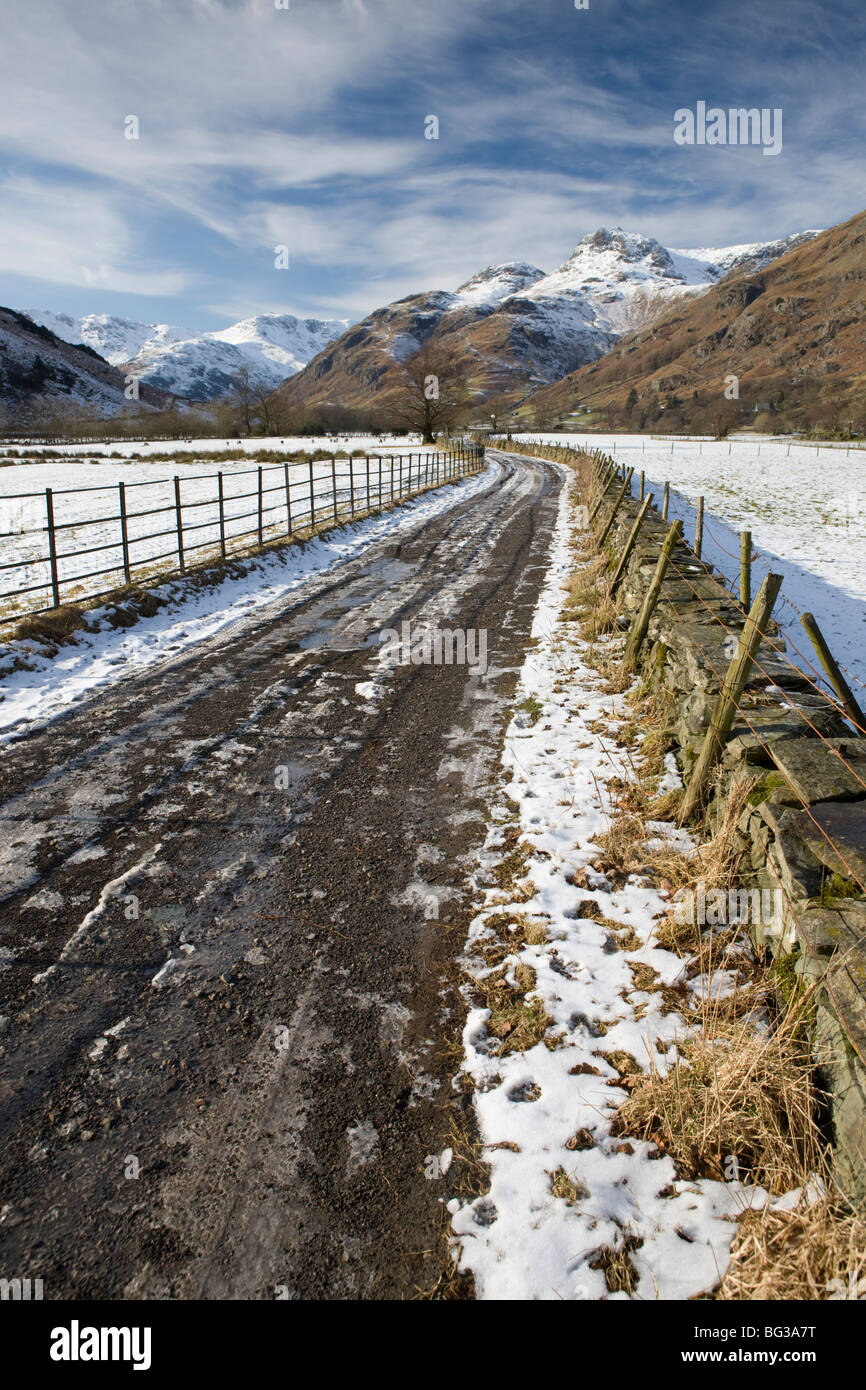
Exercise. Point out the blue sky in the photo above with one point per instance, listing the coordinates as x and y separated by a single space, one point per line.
304 127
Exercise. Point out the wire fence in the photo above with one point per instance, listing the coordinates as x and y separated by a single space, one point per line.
683 562
66 545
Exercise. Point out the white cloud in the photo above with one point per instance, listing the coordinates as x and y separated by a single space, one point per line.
71 235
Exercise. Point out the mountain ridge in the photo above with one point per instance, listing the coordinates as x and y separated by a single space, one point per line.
786 335
38 366
513 328
199 366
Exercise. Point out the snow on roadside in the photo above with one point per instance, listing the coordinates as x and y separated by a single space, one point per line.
30 697
545 1114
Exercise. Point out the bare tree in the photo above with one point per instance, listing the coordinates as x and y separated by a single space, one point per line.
432 392
244 398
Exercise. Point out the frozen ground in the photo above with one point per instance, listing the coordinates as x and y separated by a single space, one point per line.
29 697
123 448
545 1113
805 505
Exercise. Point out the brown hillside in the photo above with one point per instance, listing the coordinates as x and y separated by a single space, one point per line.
794 334
361 369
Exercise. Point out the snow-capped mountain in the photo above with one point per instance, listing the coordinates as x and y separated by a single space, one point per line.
489 287
514 328
200 366
614 282
789 325
116 339
43 375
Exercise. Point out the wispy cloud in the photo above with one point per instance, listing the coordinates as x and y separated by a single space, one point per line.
305 126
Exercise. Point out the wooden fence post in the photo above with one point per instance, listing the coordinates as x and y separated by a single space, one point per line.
179 520
52 547
261 509
367 471
622 492
666 502
351 484
837 680
222 514
699 528
746 570
639 631
597 508
124 533
312 498
334 484
629 545
288 499
642 483
731 693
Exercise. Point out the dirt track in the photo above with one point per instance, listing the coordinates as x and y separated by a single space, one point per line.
265 1037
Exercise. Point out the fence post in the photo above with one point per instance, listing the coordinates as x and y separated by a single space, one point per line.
288 499
597 508
731 693
334 483
666 502
261 506
746 570
629 545
622 492
52 547
699 528
179 520
400 493
312 498
379 461
642 483
351 484
124 535
838 681
367 462
222 511
639 631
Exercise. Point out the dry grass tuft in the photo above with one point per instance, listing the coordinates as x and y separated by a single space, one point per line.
56 626
816 1252
733 1093
589 601
516 1021
620 1274
567 1187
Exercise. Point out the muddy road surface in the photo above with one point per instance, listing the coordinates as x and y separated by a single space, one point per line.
231 892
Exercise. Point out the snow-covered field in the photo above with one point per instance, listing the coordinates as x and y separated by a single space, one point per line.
90 518
125 447
805 505
30 697
545 1114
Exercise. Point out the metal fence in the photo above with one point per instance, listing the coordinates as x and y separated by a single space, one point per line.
47 538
